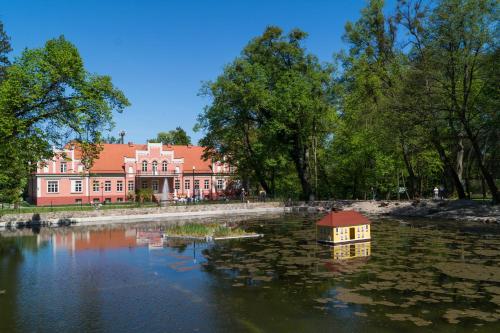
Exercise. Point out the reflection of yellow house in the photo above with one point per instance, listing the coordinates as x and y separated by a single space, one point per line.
342 227
353 250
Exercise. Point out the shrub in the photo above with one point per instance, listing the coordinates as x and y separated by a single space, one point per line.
144 194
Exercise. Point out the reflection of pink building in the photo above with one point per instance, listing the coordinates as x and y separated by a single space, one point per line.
123 168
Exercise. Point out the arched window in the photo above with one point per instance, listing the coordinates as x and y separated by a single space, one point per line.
164 166
155 166
144 165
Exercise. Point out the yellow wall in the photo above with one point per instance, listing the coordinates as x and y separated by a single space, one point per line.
342 234
348 251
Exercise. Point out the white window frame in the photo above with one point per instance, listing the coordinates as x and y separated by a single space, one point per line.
107 186
177 184
144 184
56 182
119 186
154 167
164 166
155 185
206 184
144 166
130 185
94 188
74 188
196 184
63 167
187 184
220 184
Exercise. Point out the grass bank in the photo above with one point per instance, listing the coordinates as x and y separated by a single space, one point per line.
211 230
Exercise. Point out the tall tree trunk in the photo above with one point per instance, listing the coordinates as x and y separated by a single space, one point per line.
449 169
460 159
411 174
251 156
484 171
300 159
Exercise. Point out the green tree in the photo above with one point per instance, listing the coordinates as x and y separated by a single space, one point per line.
173 137
270 109
5 48
454 58
46 99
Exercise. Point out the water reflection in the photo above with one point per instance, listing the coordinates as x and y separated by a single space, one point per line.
350 251
439 276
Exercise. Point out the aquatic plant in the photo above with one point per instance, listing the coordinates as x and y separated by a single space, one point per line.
204 230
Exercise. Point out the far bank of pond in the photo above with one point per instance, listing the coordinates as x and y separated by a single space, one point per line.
414 275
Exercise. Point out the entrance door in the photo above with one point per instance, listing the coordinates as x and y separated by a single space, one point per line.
352 233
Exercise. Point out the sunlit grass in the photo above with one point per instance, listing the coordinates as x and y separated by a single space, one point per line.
204 230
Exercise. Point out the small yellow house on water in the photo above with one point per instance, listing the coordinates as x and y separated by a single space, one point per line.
342 227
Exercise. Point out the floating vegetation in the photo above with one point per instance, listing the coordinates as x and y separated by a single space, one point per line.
453 315
206 231
424 271
404 316
470 271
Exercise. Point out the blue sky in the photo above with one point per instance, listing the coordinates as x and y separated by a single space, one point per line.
159 52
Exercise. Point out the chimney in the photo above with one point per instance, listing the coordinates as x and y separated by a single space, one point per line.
130 144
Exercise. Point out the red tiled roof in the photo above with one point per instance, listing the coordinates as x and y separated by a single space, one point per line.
192 157
111 157
343 219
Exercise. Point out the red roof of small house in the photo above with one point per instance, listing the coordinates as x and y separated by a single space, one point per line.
343 218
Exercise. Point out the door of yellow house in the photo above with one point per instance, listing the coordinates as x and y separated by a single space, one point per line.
352 232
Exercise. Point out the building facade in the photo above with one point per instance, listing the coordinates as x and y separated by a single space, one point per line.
343 227
171 172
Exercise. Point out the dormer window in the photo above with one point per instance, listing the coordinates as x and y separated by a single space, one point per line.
164 166
63 167
144 166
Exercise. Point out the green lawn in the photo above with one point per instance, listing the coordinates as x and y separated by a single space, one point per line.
25 208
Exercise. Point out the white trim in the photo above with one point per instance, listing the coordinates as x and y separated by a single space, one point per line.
87 185
38 187
58 187
73 186
110 186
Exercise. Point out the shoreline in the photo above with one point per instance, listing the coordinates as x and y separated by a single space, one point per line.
457 210
125 216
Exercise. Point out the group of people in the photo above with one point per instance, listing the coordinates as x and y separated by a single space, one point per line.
439 193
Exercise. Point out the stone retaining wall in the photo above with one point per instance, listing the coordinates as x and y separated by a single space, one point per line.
26 217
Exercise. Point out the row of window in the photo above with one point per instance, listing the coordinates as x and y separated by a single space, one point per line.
344 230
164 166
76 185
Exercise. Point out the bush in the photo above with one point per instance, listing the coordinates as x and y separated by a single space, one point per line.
144 195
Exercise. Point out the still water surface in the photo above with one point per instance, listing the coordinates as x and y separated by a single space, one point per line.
413 276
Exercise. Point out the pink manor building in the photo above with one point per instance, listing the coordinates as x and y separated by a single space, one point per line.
170 171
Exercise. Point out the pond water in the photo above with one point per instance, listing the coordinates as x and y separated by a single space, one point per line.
413 276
